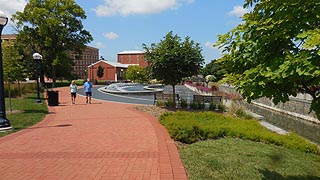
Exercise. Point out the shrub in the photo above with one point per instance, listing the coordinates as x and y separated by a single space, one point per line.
170 103
197 105
217 107
160 103
189 127
184 104
241 113
25 88
213 106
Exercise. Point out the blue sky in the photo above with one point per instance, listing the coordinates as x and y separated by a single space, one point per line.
122 25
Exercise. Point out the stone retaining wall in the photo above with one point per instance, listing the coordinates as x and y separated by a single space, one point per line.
298 106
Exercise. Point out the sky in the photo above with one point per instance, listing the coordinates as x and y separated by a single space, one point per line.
124 25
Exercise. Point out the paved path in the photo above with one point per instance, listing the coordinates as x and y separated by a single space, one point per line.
102 140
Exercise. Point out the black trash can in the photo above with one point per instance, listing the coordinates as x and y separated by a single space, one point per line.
53 98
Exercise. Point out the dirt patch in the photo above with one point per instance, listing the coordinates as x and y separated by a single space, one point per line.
14 112
153 110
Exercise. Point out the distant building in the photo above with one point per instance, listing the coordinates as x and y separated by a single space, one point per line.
132 57
89 56
112 71
8 39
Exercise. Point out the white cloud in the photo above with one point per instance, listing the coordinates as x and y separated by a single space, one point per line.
210 45
99 45
127 7
238 11
111 35
216 49
9 7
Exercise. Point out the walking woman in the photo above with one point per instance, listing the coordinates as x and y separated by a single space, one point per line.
73 92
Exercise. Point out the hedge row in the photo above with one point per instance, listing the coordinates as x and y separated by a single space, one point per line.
190 127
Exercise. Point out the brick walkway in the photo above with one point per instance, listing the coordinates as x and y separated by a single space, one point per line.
102 140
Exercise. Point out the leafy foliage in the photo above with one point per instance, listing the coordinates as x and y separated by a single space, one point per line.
275 52
215 69
191 127
136 74
51 28
172 59
100 71
12 66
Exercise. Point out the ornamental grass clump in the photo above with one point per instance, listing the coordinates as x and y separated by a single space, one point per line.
190 127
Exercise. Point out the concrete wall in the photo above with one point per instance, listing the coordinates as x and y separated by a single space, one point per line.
297 106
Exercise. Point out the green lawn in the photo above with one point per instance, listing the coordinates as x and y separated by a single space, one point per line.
29 112
233 158
219 146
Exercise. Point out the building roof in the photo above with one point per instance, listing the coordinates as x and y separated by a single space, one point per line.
89 47
9 36
114 64
131 52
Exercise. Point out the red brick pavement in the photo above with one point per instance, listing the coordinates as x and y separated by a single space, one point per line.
102 140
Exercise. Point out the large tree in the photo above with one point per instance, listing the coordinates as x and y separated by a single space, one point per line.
51 28
275 52
172 59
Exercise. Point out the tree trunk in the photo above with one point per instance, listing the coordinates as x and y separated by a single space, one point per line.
174 95
19 88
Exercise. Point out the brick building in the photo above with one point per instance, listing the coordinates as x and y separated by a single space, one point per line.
112 71
8 39
89 56
132 57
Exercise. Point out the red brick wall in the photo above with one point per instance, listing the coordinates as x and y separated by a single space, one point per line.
133 59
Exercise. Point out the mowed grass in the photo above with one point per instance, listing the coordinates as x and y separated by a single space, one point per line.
219 146
233 158
26 112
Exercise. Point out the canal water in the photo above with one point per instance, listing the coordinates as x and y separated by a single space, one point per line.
299 126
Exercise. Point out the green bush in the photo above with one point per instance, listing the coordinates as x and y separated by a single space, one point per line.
25 88
184 104
220 107
170 103
241 113
197 105
160 103
190 127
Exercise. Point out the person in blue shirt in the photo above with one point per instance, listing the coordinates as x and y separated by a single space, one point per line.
87 88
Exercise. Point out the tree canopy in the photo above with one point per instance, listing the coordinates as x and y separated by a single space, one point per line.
214 68
100 71
51 28
12 65
173 59
136 74
275 51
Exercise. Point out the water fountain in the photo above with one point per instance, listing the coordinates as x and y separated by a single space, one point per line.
132 88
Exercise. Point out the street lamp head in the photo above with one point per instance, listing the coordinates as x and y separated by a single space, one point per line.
37 56
3 20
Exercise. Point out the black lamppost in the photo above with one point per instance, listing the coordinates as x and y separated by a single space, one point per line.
37 57
4 122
